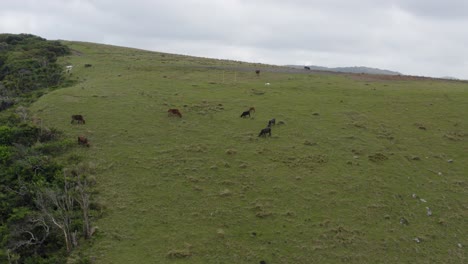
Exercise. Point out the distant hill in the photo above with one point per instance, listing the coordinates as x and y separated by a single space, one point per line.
355 69
450 78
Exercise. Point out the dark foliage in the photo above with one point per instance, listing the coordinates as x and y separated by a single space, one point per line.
28 169
28 63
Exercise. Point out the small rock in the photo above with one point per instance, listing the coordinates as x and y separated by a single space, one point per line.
403 221
459 245
439 173
414 196
422 200
429 211
220 233
450 161
417 240
231 151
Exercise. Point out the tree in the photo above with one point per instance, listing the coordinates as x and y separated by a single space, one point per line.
83 182
57 207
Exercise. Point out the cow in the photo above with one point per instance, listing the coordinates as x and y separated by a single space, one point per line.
83 141
267 84
77 119
306 68
271 122
174 112
68 68
87 65
245 114
265 131
257 72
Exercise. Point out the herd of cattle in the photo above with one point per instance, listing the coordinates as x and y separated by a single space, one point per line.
173 112
83 141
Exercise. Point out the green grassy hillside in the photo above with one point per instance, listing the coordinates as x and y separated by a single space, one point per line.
332 184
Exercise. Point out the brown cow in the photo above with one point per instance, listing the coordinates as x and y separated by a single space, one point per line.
257 72
78 119
83 141
174 112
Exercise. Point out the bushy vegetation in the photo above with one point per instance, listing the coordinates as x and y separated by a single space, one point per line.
44 204
28 63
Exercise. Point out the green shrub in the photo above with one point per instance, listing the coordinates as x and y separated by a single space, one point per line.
54 147
5 154
6 135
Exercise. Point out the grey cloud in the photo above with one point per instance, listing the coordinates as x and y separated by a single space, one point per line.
411 36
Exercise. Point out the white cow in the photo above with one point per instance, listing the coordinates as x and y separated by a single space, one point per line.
68 68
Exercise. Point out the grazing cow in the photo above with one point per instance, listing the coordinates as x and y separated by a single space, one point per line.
306 68
174 112
68 68
267 84
87 65
271 122
265 131
78 119
245 113
257 72
83 141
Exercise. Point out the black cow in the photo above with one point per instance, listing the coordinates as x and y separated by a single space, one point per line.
271 122
265 131
77 119
246 113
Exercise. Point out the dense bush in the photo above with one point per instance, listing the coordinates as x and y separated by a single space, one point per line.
28 63
33 185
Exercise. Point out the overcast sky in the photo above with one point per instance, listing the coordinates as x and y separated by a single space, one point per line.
416 37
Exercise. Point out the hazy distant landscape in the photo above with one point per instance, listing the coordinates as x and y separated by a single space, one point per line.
355 69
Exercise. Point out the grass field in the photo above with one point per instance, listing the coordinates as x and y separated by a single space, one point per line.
333 184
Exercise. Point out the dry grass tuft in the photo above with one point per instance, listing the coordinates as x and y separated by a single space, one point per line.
377 157
179 253
225 192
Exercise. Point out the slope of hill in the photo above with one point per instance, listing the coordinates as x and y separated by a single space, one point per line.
355 69
346 177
